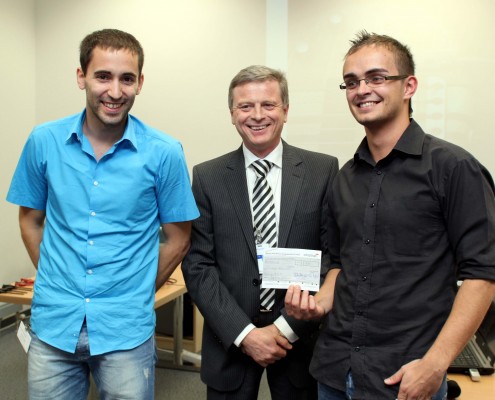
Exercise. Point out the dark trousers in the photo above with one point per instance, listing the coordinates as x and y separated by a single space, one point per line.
281 387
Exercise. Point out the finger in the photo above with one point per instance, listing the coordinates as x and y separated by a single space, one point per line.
395 378
288 300
311 303
288 295
304 300
280 353
296 297
283 342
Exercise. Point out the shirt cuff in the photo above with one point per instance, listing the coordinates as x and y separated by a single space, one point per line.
243 334
285 329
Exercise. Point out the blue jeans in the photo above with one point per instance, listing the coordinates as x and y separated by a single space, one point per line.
328 393
56 374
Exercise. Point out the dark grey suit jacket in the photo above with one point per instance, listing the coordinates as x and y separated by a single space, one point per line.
221 270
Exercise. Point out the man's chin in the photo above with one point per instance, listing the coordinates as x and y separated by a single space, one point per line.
113 120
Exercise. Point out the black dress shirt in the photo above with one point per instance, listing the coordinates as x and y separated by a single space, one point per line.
403 230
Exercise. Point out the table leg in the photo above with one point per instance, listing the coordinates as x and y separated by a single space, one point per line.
178 333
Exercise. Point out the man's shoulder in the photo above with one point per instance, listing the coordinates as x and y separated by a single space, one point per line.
147 132
439 147
61 124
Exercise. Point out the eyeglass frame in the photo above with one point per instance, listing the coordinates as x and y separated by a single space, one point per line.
367 80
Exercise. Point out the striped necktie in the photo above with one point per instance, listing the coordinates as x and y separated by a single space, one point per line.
265 221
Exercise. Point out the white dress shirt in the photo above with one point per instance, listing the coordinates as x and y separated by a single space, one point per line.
274 178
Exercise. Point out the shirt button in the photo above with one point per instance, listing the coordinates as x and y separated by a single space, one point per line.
87 300
378 172
372 205
90 271
93 213
364 278
357 348
367 241
91 243
95 183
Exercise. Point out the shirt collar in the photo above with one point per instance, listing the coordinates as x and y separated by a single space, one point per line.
275 156
76 132
411 143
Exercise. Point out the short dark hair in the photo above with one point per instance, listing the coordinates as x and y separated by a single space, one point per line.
259 73
403 57
109 38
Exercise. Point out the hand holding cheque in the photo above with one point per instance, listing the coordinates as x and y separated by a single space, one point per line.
283 267
302 305
298 271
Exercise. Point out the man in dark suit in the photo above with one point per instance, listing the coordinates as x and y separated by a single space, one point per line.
243 336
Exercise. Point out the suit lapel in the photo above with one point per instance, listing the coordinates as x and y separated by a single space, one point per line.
292 178
235 181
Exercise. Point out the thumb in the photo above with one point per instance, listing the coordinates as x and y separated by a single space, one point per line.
395 378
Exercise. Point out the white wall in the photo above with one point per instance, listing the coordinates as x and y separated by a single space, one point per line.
194 47
17 116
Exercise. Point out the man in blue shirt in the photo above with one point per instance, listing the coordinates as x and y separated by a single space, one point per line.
93 190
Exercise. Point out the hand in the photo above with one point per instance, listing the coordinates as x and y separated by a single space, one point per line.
265 345
418 380
301 305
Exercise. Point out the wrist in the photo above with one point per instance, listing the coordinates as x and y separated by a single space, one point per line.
436 361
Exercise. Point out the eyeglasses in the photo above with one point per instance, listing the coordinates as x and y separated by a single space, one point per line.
372 81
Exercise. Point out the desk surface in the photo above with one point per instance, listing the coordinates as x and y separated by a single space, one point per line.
166 293
482 390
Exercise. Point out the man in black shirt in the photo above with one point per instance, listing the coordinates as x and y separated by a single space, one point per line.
410 215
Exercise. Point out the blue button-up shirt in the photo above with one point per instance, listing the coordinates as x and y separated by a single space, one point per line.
99 253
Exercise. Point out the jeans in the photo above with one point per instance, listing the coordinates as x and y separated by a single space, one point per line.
56 374
328 393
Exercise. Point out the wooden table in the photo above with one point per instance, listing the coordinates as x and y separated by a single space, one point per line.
482 390
175 292
167 293
16 298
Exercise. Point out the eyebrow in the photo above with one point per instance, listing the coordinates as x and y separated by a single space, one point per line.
370 71
103 71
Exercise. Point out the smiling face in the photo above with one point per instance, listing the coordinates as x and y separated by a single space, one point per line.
112 82
259 115
381 106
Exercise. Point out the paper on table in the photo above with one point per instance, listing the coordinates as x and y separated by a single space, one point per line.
284 267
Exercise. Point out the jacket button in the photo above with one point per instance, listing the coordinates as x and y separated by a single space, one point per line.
256 282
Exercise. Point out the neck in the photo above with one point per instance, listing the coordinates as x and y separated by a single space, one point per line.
98 131
382 140
102 137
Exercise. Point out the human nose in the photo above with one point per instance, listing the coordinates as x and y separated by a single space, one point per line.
363 87
257 111
115 90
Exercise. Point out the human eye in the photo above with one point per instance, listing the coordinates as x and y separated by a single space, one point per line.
351 83
102 76
269 106
129 79
376 79
245 107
